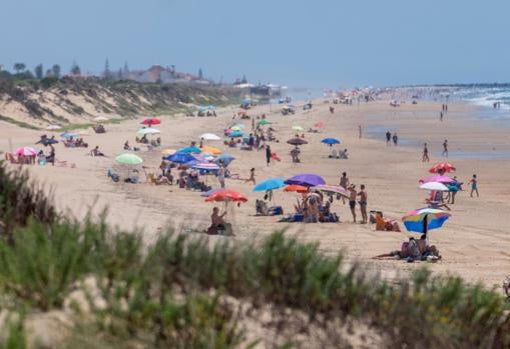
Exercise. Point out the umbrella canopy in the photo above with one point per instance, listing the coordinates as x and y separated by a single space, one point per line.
211 150
439 179
425 219
335 189
151 121
25 151
46 141
53 127
225 159
306 180
180 158
227 195
235 134
148 131
434 186
270 184
297 141
210 192
264 122
100 118
296 188
210 137
189 150
298 128
129 159
206 166
320 124
236 128
168 151
330 141
442 166
68 135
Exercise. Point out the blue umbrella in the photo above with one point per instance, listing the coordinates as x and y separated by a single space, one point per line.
330 141
226 159
180 158
270 184
69 135
235 134
189 150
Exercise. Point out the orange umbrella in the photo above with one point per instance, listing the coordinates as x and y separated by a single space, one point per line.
227 195
211 150
296 188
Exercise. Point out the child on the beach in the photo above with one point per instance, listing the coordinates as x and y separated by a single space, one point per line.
474 186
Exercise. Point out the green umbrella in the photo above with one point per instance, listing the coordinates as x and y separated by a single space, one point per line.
129 159
264 122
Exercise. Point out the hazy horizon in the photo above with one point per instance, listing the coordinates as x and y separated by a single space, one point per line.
328 44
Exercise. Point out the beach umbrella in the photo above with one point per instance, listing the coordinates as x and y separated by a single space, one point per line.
25 151
306 180
270 184
168 151
68 135
298 128
151 121
320 124
264 122
296 188
180 158
444 166
434 186
424 219
227 195
206 166
236 128
148 131
235 134
333 189
225 159
129 159
211 150
100 118
189 150
210 137
330 141
297 141
440 179
210 192
53 127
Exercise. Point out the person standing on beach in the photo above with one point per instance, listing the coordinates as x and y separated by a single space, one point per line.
363 204
268 155
425 156
388 137
344 183
395 139
360 132
352 200
441 116
474 186
221 175
445 148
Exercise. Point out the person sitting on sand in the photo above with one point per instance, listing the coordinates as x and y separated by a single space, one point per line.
51 158
409 250
218 223
252 177
126 146
162 180
96 152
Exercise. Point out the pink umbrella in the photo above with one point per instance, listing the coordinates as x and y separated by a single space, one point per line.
439 179
26 151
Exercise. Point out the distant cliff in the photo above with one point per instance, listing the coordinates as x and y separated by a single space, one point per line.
37 103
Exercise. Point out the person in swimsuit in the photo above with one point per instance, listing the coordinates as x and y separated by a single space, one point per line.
395 139
388 137
425 156
252 176
474 186
352 200
221 175
344 183
363 204
445 148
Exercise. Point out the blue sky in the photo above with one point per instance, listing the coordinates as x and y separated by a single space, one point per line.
319 43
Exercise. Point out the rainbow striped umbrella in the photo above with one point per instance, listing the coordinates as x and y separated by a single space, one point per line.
206 166
425 219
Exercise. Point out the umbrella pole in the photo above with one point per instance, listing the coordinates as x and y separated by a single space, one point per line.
425 224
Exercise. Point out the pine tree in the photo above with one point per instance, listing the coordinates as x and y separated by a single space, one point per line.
107 74
19 67
56 71
125 72
244 80
200 74
39 71
75 69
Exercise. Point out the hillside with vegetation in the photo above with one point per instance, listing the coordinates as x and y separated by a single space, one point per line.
71 284
36 103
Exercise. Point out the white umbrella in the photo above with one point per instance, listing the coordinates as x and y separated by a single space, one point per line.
53 127
210 137
148 131
434 186
100 118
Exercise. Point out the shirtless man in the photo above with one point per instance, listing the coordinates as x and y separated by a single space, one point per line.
363 204
445 148
344 183
425 157
352 200
217 221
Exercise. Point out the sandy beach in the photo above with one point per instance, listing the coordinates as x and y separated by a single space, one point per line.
474 243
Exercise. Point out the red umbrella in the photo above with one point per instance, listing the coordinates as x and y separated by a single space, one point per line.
151 121
296 188
227 195
320 124
445 166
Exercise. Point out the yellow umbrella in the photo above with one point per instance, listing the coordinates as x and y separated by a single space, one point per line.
211 150
236 128
168 151
297 128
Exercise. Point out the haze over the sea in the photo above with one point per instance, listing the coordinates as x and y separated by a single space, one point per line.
324 43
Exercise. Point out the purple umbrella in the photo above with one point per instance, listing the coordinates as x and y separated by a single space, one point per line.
306 180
